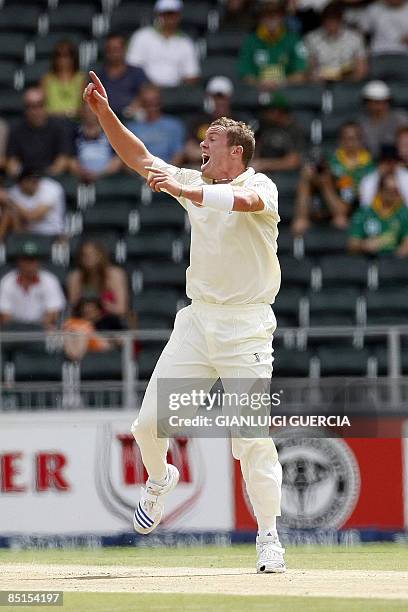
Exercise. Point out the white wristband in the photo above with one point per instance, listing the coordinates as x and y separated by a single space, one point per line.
218 197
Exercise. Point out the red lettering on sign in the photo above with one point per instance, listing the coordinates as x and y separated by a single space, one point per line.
49 467
10 468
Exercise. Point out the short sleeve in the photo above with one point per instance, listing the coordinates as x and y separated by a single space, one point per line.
190 68
298 61
6 301
136 52
54 297
356 228
266 190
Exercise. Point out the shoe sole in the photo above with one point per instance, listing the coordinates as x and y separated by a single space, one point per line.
174 478
280 570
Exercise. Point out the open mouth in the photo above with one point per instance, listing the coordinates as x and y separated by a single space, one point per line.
205 159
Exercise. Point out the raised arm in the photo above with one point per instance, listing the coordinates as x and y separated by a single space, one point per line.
130 149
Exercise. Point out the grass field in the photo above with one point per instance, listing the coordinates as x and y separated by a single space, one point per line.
361 578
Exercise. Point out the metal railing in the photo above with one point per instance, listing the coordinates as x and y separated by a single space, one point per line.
71 391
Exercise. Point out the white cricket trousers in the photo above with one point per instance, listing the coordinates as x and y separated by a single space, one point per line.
212 341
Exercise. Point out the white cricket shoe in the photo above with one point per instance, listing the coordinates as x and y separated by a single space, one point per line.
270 555
149 510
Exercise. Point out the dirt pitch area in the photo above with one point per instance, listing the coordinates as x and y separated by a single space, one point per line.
227 581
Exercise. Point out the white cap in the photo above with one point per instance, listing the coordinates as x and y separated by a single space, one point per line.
220 85
164 6
376 90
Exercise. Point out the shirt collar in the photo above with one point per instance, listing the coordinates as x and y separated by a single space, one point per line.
237 180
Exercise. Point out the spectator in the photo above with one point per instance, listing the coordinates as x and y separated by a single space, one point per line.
237 15
3 143
389 164
121 81
95 275
402 145
8 221
163 135
217 103
281 140
272 56
317 199
380 123
94 157
335 51
167 56
29 294
64 83
39 203
38 141
305 14
88 319
350 163
386 21
382 227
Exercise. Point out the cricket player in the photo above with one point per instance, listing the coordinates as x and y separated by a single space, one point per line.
227 330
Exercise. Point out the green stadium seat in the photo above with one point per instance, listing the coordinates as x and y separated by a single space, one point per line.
12 46
9 348
162 216
13 19
344 270
285 241
286 182
70 185
343 361
33 73
44 45
287 305
7 74
295 272
389 67
392 271
304 96
219 65
324 239
11 104
332 123
102 366
105 216
43 244
151 321
182 99
38 367
245 98
146 246
388 306
119 186
162 303
399 94
75 16
286 208
146 361
195 15
225 43
129 16
346 97
163 274
333 307
291 363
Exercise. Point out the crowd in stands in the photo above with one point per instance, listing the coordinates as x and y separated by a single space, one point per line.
358 184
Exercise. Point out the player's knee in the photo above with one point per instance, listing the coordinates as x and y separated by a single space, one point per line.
141 430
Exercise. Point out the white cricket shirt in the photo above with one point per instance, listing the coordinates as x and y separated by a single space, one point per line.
31 305
233 255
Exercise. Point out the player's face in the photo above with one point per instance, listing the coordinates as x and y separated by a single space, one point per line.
215 152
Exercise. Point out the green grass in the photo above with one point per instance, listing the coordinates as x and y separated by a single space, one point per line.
368 556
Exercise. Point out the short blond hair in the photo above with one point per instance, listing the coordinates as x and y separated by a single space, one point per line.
238 134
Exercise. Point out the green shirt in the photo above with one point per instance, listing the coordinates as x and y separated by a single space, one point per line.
264 59
348 177
368 223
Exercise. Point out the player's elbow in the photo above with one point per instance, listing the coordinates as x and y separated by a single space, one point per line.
247 202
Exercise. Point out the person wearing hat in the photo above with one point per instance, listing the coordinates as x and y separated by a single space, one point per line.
272 56
39 203
217 103
29 294
389 163
380 122
167 56
281 139
336 52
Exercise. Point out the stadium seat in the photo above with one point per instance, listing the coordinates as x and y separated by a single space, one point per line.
162 303
346 97
287 305
11 104
295 272
147 246
285 241
304 97
33 73
324 239
43 244
225 43
129 16
10 348
102 366
286 208
291 363
13 19
163 274
195 15
219 65
389 67
41 367
44 45
7 74
70 185
399 94
333 307
152 321
12 46
286 182
105 216
392 271
344 270
146 362
332 123
162 216
387 306
123 186
182 99
245 98
343 361
75 16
